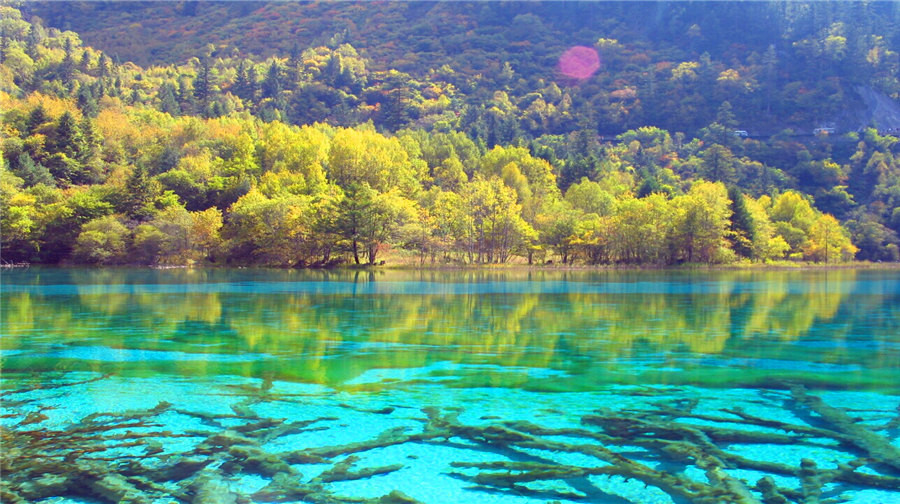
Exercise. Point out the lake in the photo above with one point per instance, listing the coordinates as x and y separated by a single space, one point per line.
506 386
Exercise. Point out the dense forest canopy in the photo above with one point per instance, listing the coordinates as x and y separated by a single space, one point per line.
301 134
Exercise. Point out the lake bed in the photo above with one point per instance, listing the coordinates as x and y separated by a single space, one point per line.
450 386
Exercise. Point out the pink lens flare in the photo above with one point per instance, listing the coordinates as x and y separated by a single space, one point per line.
579 62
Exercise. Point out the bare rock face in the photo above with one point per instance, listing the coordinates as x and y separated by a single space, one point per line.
881 110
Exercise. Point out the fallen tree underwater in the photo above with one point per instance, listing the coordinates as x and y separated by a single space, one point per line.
688 454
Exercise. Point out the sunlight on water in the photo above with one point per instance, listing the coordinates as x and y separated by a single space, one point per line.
474 386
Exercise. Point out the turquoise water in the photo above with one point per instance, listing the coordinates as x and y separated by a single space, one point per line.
441 387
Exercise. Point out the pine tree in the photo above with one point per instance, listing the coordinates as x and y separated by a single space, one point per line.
203 84
719 164
67 67
103 66
725 116
90 140
4 45
252 84
138 194
167 101
741 236
393 112
36 118
294 68
68 138
33 173
85 63
32 41
239 88
272 85
333 69
98 89
86 102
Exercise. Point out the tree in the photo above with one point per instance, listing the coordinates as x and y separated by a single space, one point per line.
64 219
138 194
175 223
102 241
702 229
33 173
18 219
205 227
642 229
167 100
32 41
36 118
556 227
388 214
741 230
829 242
274 231
765 243
499 229
4 45
67 138
203 84
793 217
86 101
361 157
590 197
876 241
532 177
273 83
67 67
353 211
300 152
719 164
244 86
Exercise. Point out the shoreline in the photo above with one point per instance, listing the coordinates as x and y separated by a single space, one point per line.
513 267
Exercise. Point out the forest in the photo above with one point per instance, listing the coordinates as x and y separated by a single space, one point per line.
316 134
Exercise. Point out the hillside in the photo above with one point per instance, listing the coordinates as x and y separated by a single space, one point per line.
313 133
668 64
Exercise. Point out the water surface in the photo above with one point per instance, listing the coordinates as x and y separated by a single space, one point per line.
474 386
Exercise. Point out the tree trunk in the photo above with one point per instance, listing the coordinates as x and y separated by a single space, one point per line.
372 251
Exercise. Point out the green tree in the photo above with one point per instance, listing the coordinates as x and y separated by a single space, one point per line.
67 137
828 242
138 195
642 229
590 197
273 83
360 156
719 164
102 241
702 229
274 231
793 217
203 84
499 230
33 173
765 243
18 219
741 229
556 227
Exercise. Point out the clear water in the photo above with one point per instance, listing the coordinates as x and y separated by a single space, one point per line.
297 386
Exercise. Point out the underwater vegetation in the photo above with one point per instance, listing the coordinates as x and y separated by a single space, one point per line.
674 443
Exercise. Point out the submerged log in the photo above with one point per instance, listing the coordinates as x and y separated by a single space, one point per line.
342 471
876 446
40 462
